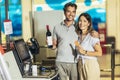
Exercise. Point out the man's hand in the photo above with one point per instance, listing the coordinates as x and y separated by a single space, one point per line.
54 44
94 34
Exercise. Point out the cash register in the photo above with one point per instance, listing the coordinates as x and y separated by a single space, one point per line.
23 58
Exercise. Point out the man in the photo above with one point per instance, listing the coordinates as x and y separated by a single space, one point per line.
64 36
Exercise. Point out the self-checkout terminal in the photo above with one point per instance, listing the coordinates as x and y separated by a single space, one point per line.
21 66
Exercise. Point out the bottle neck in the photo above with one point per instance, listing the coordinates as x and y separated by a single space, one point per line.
47 27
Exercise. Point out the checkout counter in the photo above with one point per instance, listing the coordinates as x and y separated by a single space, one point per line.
21 67
15 73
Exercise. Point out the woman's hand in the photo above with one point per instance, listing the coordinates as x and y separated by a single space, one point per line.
79 47
81 50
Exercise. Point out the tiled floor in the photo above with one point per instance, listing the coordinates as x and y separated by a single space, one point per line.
105 64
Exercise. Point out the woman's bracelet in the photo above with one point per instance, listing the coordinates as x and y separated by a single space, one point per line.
85 52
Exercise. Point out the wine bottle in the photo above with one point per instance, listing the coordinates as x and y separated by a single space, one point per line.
49 37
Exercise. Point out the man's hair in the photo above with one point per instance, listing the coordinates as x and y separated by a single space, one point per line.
69 4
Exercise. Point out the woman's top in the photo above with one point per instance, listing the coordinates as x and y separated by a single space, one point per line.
88 45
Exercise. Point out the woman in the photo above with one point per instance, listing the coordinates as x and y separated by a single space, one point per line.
88 49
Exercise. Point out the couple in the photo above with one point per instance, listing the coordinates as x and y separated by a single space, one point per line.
80 38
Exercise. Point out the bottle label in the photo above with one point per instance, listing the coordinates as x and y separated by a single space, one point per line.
49 40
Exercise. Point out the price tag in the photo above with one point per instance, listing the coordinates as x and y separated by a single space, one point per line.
8 27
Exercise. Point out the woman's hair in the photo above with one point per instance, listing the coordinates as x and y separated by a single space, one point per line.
69 4
89 19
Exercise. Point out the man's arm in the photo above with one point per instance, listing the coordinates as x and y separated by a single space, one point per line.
94 34
54 44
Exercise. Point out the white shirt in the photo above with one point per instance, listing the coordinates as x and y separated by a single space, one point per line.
88 45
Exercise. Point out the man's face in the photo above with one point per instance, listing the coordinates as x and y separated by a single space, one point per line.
70 13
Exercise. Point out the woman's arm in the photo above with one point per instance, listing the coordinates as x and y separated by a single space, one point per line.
97 52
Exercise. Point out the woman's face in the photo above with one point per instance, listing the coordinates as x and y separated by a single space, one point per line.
83 23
